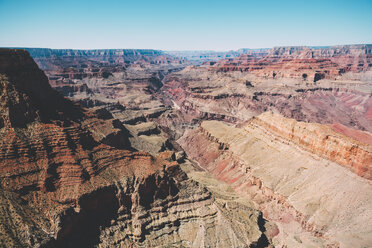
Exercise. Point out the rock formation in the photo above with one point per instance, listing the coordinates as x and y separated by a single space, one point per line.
288 170
70 178
309 64
298 148
247 148
237 96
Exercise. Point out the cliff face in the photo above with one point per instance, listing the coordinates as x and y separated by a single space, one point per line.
323 141
298 164
310 64
28 81
277 168
71 178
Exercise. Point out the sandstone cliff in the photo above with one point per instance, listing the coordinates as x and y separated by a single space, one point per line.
321 140
297 189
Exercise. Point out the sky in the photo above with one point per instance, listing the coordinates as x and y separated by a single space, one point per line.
183 25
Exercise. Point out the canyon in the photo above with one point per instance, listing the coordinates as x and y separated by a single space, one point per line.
146 148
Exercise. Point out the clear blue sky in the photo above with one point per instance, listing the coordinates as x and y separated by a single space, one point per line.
183 25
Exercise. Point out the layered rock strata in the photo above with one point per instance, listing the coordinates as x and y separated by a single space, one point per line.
236 97
116 160
306 63
321 140
70 178
294 187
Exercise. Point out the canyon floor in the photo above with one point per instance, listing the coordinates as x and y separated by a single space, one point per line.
145 148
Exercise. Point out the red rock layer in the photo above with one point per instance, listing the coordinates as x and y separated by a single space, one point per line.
364 137
323 141
303 62
68 180
52 139
48 153
217 159
349 107
283 179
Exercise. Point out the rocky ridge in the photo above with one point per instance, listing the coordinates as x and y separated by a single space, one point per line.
70 178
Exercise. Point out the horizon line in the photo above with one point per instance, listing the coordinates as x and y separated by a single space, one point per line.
186 50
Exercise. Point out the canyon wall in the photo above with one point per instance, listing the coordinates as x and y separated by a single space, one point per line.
306 63
263 147
70 177
293 186
238 96
297 145
323 141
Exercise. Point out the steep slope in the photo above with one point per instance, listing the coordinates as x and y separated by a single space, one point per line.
322 141
30 82
70 178
273 160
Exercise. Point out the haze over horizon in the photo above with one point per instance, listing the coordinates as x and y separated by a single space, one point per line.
183 25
